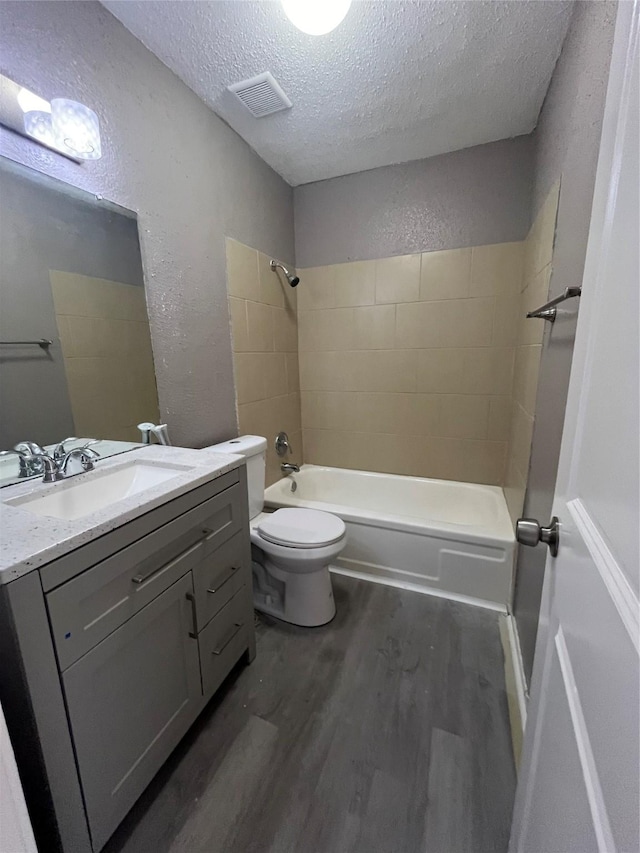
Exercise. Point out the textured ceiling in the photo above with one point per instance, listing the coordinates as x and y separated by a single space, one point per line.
396 81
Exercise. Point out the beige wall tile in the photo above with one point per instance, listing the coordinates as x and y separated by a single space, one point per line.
499 418
327 447
293 372
445 275
448 323
386 370
250 376
355 284
285 330
535 294
464 416
336 410
506 320
317 288
514 490
525 378
520 439
326 329
70 293
260 327
275 374
243 280
239 327
497 269
398 279
373 327
488 370
272 283
484 462
440 371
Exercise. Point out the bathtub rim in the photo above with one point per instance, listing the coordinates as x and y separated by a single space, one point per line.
500 534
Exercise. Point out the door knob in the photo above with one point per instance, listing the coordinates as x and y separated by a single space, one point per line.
529 532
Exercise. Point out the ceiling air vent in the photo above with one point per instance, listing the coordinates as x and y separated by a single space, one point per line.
261 95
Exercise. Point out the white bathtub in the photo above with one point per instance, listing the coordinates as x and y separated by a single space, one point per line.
446 538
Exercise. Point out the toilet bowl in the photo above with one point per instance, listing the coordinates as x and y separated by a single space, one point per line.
291 548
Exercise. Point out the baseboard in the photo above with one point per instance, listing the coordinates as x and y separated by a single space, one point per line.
423 589
515 681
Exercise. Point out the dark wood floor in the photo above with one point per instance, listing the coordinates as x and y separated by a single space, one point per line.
384 732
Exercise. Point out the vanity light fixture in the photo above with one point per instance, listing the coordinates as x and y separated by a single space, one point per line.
66 126
316 17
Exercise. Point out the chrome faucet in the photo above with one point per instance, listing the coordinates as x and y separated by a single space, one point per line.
289 468
61 451
24 462
58 469
85 456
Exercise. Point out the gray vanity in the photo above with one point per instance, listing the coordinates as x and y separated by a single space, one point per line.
117 626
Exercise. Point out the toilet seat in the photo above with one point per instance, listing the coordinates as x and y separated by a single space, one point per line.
301 528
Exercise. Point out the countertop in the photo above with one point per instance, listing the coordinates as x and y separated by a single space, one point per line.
28 541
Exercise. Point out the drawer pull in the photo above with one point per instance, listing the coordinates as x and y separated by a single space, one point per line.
192 601
236 627
140 579
233 569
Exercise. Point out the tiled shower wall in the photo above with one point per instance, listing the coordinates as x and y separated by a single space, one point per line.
538 254
265 351
406 363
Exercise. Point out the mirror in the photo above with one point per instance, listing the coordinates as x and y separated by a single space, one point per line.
75 346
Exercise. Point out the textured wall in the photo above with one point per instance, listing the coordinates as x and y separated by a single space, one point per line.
472 197
188 176
567 142
406 363
264 328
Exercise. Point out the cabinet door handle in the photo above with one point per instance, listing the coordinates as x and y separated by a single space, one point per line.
192 600
232 571
140 579
236 627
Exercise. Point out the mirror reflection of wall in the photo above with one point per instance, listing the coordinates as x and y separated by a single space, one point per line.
70 272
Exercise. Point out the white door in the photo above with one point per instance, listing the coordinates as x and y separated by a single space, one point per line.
578 787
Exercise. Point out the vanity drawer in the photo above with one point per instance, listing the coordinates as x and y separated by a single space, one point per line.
219 576
223 641
88 608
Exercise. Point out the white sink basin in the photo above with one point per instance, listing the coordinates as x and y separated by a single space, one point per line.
75 498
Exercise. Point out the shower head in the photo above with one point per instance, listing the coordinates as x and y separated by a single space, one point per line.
293 280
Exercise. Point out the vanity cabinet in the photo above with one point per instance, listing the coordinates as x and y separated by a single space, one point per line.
128 639
130 700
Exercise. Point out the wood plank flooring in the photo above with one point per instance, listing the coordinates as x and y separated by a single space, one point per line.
385 731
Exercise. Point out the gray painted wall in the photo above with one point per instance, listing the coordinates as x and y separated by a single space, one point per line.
188 176
466 198
567 142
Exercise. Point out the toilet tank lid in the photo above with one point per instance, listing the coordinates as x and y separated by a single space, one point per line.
244 445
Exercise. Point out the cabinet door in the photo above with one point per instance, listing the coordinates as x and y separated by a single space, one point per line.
130 700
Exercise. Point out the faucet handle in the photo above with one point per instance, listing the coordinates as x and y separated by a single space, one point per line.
60 449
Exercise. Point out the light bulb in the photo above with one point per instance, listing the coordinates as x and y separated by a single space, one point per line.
37 124
30 102
76 129
316 17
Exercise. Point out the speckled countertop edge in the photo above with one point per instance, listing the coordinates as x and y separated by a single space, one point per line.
29 541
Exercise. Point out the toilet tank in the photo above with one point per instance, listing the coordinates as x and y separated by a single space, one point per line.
254 449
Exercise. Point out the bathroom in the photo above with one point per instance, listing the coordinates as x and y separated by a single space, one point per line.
432 173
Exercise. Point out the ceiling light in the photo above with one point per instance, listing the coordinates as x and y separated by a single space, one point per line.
76 129
37 124
316 17
29 101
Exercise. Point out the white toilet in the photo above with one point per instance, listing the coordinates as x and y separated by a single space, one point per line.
291 548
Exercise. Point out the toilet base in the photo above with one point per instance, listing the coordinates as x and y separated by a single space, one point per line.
301 599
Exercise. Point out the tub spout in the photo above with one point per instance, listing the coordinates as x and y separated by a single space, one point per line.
289 468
